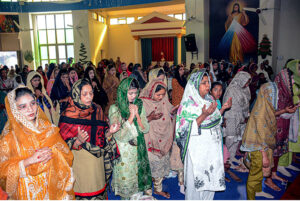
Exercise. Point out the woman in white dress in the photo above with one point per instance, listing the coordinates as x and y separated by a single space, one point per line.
199 137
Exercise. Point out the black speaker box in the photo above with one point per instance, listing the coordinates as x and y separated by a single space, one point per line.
190 43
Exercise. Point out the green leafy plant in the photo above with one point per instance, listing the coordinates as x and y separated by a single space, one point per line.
28 56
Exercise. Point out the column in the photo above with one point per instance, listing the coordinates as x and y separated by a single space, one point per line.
179 48
136 49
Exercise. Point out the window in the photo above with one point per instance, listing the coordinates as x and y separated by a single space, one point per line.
130 20
121 20
139 18
101 19
179 16
55 37
113 21
95 16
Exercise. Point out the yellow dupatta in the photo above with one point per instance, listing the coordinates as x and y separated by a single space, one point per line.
19 140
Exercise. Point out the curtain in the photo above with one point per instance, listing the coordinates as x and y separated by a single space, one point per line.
183 51
175 51
146 52
165 45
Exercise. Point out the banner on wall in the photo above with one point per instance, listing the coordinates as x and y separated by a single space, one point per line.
233 31
7 24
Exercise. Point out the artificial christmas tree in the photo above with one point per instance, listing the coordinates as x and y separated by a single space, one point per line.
82 54
264 47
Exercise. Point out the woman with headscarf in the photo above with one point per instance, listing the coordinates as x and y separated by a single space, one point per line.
139 75
236 117
159 139
132 173
284 86
294 137
35 83
198 134
178 85
259 137
83 126
50 70
35 160
73 76
100 96
61 89
110 85
52 80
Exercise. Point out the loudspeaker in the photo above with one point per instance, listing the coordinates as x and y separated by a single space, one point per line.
190 43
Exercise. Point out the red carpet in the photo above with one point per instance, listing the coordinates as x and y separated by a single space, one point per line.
293 191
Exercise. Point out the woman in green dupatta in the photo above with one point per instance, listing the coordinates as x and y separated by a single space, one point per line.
132 173
294 141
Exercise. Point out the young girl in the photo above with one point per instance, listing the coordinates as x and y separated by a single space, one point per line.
216 92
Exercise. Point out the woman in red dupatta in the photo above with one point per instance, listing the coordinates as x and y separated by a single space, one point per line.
85 130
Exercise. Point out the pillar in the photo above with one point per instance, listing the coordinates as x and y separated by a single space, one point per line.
179 48
136 49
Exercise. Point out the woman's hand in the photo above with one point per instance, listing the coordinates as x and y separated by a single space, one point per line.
291 109
82 136
42 155
174 110
114 128
209 110
228 104
154 116
132 110
94 84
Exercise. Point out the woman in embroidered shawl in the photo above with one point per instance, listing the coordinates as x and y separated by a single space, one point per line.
294 129
198 134
132 174
259 137
236 117
83 127
36 84
35 161
159 140
110 85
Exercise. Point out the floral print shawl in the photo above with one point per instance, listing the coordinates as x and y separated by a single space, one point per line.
190 109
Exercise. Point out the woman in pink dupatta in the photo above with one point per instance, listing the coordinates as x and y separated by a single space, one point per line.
159 139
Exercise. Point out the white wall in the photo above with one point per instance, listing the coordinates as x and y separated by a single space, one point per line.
26 38
288 32
80 18
200 9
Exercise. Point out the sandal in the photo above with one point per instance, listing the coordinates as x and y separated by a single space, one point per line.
272 185
164 194
234 176
240 168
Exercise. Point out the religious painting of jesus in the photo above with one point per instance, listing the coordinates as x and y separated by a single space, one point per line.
234 31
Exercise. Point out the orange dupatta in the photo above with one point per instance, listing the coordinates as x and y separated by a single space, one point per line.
19 140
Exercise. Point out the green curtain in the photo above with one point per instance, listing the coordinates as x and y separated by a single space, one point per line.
183 51
146 52
175 51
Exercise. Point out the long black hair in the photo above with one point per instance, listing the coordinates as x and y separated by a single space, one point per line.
181 80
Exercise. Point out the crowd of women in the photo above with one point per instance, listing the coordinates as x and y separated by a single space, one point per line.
73 131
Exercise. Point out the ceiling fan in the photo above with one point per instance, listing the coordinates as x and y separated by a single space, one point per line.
21 30
259 12
77 27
